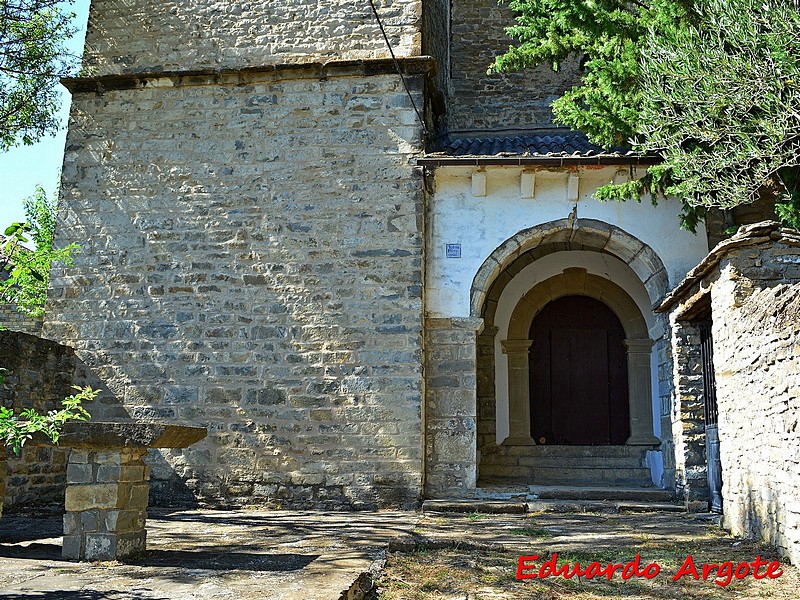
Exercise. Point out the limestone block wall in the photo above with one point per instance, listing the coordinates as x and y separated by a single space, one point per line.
252 264
756 330
40 374
12 319
478 101
450 407
140 36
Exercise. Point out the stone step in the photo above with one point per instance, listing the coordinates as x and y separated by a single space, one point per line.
567 461
637 476
613 493
585 451
481 505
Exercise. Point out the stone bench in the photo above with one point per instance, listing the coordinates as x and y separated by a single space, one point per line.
108 484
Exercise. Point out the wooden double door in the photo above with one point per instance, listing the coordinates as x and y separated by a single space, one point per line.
578 374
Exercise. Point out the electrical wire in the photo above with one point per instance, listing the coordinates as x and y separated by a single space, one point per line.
397 67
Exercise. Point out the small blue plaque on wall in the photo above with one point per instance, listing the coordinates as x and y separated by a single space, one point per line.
453 250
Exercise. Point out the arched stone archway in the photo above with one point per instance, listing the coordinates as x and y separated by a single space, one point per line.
578 282
512 261
528 245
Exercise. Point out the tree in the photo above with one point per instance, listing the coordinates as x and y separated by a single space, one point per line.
646 65
32 60
28 276
29 269
721 104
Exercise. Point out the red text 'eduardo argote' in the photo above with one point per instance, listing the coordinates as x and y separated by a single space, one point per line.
721 573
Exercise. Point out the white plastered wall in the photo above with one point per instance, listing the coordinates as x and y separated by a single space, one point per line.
482 223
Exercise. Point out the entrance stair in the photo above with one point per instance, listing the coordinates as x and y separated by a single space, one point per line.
583 466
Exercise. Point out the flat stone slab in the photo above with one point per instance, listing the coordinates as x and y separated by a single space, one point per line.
121 434
209 555
475 506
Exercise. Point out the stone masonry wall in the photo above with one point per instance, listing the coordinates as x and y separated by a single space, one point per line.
450 407
484 102
252 263
12 319
756 330
688 420
138 35
40 374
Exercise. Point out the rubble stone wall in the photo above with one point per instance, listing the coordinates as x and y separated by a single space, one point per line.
252 263
756 329
500 101
140 36
12 319
40 374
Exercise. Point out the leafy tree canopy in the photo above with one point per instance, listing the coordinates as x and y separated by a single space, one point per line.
713 86
32 59
28 270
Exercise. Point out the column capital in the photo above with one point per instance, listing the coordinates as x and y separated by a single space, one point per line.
516 346
642 345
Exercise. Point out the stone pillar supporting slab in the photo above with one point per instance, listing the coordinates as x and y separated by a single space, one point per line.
519 398
450 407
108 483
640 393
106 504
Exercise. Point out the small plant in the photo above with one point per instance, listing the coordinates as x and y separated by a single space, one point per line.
534 532
15 430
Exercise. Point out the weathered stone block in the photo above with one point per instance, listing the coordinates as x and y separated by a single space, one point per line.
92 496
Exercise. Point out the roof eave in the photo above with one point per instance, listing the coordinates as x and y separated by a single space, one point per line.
538 161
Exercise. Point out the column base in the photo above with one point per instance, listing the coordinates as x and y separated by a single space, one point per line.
645 440
519 440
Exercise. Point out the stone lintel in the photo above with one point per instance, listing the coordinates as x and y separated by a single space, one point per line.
100 434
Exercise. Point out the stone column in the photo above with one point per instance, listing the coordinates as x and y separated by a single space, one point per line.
640 393
106 503
519 396
450 407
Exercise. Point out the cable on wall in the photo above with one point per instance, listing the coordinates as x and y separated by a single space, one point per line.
397 67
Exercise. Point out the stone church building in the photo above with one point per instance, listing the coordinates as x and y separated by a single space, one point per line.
364 309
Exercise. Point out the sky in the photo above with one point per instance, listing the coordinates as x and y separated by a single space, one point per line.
21 168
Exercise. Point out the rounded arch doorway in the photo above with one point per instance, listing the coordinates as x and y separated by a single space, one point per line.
578 374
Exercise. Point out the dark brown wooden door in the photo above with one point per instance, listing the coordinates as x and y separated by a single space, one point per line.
578 374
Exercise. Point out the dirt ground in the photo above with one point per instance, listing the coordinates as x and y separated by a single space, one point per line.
292 555
484 565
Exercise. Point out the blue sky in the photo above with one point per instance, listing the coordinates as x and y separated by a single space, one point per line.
23 167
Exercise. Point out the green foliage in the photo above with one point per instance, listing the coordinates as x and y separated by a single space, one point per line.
26 287
607 34
15 430
722 104
711 85
29 270
32 59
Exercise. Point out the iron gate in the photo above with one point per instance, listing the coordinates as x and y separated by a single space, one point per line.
713 462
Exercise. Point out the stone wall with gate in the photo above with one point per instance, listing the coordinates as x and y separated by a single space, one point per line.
750 286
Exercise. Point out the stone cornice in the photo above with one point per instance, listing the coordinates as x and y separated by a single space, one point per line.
417 65
749 235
